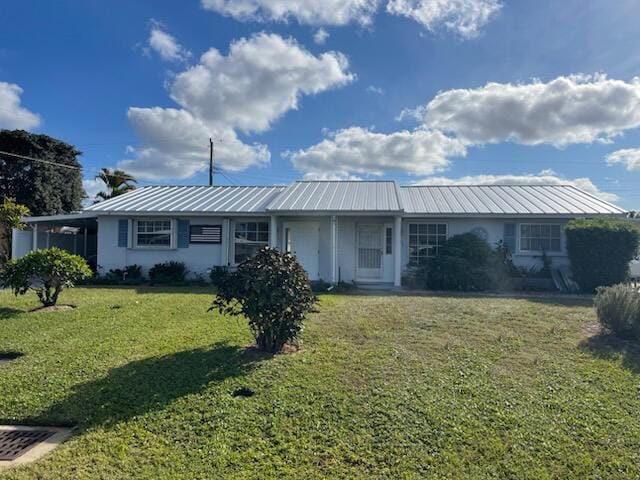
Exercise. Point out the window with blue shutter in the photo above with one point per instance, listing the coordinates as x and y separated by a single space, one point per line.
123 233
509 237
183 233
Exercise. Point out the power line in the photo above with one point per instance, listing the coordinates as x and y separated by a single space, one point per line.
49 162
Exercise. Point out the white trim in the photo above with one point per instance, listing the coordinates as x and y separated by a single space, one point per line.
551 253
173 226
409 222
397 251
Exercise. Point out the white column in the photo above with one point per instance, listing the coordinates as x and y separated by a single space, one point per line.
397 251
226 238
334 249
273 232
34 243
85 242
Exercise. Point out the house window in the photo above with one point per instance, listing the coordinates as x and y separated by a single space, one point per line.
249 238
153 233
540 237
425 240
388 240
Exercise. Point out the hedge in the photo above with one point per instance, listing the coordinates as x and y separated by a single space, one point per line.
600 250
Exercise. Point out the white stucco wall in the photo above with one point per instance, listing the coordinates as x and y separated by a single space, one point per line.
200 258
197 258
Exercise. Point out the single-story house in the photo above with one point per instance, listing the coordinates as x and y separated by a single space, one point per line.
361 231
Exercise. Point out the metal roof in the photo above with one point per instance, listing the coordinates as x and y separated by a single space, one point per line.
307 197
338 196
502 200
190 199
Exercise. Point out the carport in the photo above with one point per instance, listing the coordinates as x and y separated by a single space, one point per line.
76 233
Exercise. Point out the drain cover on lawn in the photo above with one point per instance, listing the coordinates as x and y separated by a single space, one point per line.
243 392
14 443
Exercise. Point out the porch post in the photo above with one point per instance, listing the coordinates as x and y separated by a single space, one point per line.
397 251
226 240
334 250
273 232
85 242
34 243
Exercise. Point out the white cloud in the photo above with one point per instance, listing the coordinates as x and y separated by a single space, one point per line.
176 145
320 36
259 80
166 45
545 177
362 151
92 186
310 12
376 90
567 110
12 114
630 157
464 17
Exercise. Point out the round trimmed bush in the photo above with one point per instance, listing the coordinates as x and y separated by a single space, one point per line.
273 292
47 272
618 309
600 250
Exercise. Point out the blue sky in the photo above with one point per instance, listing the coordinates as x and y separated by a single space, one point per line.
492 90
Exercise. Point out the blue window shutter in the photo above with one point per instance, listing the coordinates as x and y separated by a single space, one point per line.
183 233
123 233
509 237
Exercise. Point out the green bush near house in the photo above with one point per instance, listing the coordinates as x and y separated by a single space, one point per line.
600 250
618 309
47 272
218 274
168 273
273 292
465 262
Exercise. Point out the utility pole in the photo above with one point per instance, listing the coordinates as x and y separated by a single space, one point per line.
210 162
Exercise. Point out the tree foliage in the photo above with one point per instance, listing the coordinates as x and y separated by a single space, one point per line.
11 214
273 292
46 271
600 250
44 188
116 182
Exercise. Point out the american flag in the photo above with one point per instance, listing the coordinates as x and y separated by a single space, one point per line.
205 234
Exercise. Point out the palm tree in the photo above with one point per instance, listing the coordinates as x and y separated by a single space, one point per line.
116 181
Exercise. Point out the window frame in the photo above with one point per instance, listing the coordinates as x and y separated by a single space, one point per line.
437 246
560 238
142 246
257 231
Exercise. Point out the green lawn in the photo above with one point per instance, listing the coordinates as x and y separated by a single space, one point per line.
385 387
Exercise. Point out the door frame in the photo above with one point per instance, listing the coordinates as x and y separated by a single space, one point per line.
290 225
381 227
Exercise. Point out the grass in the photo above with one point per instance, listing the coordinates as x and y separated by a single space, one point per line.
385 387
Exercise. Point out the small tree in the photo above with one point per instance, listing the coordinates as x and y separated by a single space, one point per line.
47 272
117 182
273 292
600 250
11 214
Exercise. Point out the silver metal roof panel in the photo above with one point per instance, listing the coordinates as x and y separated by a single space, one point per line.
190 199
338 196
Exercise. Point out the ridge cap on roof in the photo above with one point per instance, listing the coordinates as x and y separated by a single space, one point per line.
491 185
344 181
209 186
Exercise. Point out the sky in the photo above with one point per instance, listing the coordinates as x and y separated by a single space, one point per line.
419 91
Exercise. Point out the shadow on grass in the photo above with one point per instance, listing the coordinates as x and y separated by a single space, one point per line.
608 346
6 312
147 385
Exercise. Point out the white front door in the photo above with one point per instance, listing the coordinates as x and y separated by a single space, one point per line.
369 252
303 240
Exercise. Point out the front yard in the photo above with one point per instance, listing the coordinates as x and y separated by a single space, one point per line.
384 387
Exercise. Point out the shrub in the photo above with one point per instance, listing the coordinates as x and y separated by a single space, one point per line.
47 272
465 262
218 274
128 273
273 292
168 272
618 309
600 250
